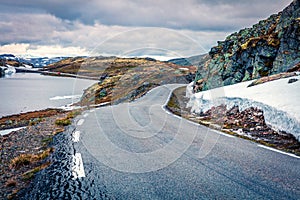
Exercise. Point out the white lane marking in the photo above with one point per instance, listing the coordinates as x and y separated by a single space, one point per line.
169 113
77 168
221 133
278 151
80 122
178 117
92 111
85 115
76 136
193 123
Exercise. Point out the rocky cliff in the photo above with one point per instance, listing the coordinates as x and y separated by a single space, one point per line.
269 47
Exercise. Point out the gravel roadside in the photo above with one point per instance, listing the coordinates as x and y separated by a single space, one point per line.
25 152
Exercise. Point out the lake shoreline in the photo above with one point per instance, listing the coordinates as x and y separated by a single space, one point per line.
24 92
27 151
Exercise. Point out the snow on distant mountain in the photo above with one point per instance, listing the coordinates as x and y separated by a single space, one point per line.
42 62
34 61
7 57
278 99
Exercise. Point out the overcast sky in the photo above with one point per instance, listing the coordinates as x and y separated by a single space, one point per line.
174 28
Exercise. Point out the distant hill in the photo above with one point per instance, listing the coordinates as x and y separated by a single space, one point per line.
43 61
269 47
34 62
121 79
190 61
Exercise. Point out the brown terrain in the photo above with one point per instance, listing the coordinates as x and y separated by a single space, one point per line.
122 79
24 152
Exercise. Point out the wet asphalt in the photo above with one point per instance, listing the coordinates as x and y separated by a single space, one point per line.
140 151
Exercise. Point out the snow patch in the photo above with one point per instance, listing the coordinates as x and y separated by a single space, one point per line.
8 131
189 90
69 107
278 99
27 66
9 70
64 97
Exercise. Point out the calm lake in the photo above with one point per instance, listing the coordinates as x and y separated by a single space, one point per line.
24 92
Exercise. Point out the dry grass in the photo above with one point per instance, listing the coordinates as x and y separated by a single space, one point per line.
27 159
18 169
57 131
65 121
30 174
73 114
13 194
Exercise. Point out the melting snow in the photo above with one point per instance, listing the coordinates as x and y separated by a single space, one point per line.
8 131
65 97
278 99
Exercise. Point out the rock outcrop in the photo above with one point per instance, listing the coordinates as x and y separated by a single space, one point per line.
272 46
250 123
2 71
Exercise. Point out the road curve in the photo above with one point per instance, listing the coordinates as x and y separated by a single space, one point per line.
140 151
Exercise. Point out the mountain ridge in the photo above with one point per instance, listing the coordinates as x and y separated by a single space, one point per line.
36 62
190 61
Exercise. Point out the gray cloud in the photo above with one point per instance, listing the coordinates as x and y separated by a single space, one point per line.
179 14
101 26
24 27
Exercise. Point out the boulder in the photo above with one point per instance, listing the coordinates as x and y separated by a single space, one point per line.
292 80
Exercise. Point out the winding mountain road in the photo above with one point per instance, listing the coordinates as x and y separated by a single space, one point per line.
140 151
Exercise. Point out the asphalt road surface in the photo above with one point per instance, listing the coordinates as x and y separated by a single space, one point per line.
140 151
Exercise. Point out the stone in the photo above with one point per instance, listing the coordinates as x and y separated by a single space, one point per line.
103 93
292 80
233 111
